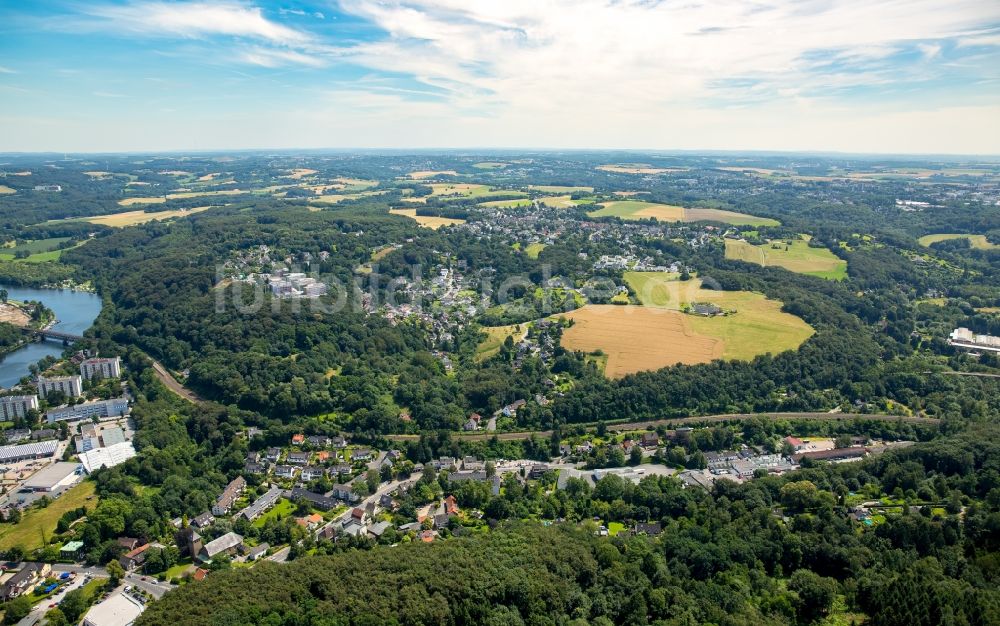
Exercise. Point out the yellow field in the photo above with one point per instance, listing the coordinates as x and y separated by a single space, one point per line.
562 202
427 221
559 189
637 210
13 315
135 201
489 165
757 327
131 218
424 174
977 241
97 174
506 204
533 250
4 189
298 173
798 257
38 525
638 338
208 177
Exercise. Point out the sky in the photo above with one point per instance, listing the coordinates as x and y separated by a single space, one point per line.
880 76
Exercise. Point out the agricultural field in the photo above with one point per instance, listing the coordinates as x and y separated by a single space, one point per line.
38 525
427 221
637 210
506 204
638 338
35 246
4 189
798 257
978 242
564 202
559 189
469 190
757 326
131 218
489 165
181 195
299 173
424 174
495 336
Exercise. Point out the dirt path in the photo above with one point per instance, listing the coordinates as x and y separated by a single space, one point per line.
679 421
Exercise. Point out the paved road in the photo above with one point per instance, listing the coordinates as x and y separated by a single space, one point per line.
974 374
41 608
151 586
677 421
171 383
280 556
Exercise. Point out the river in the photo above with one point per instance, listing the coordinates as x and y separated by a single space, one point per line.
75 312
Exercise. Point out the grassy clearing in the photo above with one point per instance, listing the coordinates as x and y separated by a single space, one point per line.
36 246
559 189
798 257
181 195
978 242
489 165
137 201
38 525
637 210
533 249
427 221
282 509
495 336
564 202
615 527
506 204
131 218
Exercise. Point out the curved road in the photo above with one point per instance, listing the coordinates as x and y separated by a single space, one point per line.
171 383
679 421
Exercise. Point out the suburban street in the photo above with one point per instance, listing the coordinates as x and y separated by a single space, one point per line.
151 586
40 609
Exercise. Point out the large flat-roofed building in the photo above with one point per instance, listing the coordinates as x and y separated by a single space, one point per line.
107 457
116 407
40 450
101 368
72 386
968 340
120 609
54 477
13 407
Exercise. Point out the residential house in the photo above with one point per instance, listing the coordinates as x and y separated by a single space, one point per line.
511 409
298 439
319 441
377 530
652 529
538 470
472 464
312 472
258 551
262 504
204 520
341 469
310 522
338 442
285 471
650 440
23 579
128 543
225 501
361 454
273 454
298 458
317 500
255 469
133 559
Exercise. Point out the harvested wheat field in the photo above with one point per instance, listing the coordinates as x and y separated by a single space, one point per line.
638 168
299 173
637 338
637 210
427 221
131 218
424 174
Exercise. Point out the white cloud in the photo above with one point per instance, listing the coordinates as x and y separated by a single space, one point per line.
196 19
267 57
6 70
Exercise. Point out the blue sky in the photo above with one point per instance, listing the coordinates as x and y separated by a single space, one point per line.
847 75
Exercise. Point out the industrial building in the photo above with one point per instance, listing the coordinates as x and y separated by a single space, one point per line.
23 452
968 340
101 368
72 386
54 477
107 457
13 407
116 407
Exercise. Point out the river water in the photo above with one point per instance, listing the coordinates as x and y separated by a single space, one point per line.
75 312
